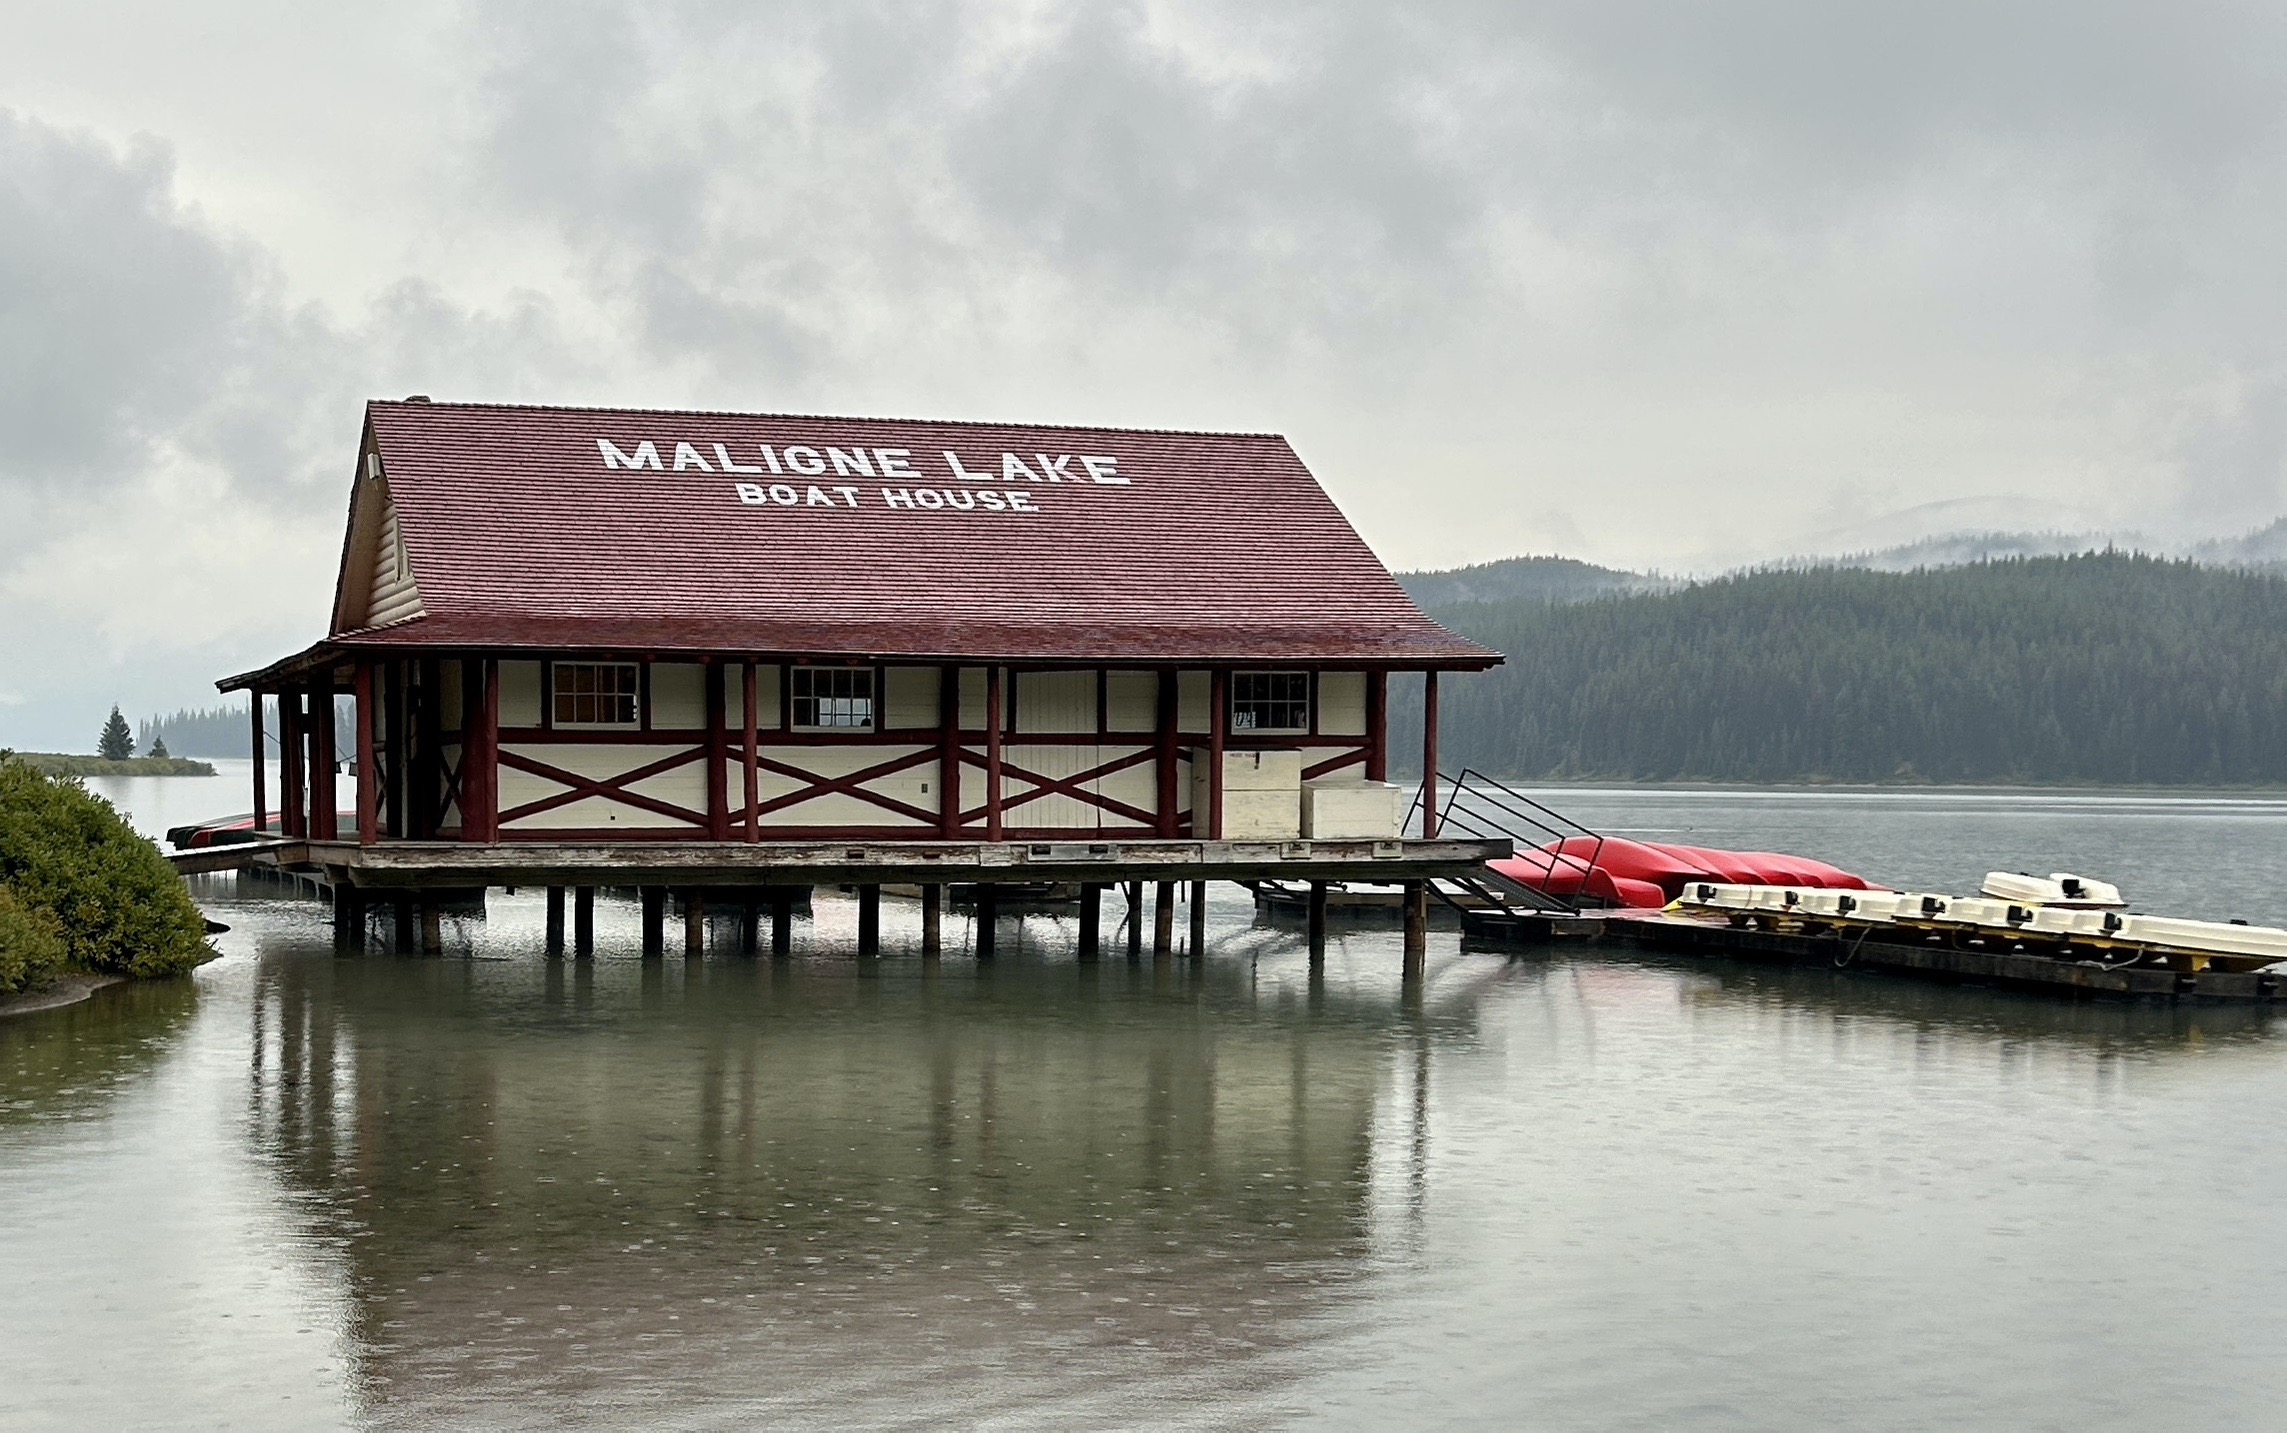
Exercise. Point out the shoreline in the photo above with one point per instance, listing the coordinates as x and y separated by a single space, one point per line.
69 989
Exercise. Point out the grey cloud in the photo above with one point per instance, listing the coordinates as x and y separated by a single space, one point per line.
116 306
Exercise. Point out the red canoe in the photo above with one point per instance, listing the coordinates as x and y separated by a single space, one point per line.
1621 872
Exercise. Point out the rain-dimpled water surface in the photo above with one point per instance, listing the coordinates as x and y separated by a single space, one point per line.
1553 1190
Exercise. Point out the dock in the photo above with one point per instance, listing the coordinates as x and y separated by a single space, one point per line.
1950 964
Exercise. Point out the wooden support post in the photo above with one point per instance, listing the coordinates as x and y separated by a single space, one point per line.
993 706
1417 928
753 759
1163 921
750 922
988 918
349 914
718 753
432 928
1198 920
1218 724
949 752
1135 920
555 922
1318 922
781 922
292 810
584 922
368 770
485 771
694 924
1091 919
654 922
1377 726
401 924
426 771
1164 735
396 737
261 768
869 919
325 821
932 919
1429 756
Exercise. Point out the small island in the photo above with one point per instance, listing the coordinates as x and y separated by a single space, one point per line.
84 900
50 763
115 756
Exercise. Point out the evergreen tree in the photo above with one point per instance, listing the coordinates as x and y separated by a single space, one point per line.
158 746
116 743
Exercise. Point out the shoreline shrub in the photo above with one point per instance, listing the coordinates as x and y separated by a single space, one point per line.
117 905
31 948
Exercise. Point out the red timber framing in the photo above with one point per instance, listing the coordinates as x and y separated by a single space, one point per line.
433 758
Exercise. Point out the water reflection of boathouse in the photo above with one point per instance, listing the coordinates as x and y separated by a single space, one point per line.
545 1173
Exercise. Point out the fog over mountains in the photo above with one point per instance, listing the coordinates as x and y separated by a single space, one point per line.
1550 578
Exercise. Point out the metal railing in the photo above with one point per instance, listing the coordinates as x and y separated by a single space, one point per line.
1475 805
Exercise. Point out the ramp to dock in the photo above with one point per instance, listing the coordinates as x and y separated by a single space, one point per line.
1492 904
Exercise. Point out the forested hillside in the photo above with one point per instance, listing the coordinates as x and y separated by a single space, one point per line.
1535 579
2100 668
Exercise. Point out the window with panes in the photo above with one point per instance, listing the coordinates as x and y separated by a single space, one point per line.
1270 701
833 698
596 693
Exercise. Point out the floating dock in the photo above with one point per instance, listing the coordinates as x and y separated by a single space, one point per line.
1934 961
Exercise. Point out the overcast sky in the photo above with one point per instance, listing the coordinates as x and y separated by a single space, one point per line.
1684 286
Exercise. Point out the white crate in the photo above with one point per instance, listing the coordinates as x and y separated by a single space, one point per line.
1262 815
1262 771
1353 810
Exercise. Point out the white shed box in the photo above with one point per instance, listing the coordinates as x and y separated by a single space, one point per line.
1262 794
1353 810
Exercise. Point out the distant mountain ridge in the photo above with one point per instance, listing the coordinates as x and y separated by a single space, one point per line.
1546 578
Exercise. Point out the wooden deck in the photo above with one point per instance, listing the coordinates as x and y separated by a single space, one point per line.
416 865
1685 935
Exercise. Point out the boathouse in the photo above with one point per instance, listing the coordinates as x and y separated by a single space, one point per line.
707 650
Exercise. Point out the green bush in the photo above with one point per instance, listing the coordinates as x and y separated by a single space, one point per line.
66 855
31 948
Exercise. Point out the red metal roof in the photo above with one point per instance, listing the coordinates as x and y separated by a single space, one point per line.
525 531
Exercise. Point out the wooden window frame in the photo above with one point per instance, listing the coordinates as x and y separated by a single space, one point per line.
1304 727
873 694
555 691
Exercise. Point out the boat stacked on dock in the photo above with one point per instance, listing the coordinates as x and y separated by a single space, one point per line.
2063 916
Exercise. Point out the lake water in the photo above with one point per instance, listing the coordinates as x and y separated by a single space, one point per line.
309 1189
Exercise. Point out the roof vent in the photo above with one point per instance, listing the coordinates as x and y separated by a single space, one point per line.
416 397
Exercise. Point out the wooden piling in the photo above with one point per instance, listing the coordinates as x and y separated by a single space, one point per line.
1417 928
555 922
1318 922
869 919
654 922
432 928
932 919
401 924
1091 917
988 917
750 925
349 915
584 923
1198 920
781 922
1163 921
694 925
1135 920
